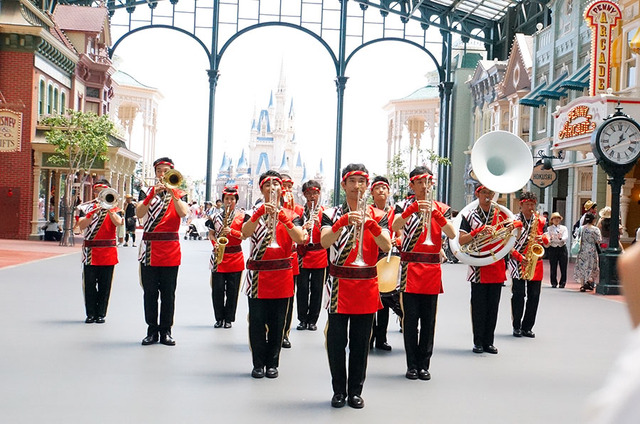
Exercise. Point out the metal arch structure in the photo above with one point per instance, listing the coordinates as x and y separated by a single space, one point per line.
344 28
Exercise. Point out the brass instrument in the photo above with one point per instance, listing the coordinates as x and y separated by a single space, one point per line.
272 220
222 241
534 251
426 217
313 216
359 230
107 199
172 179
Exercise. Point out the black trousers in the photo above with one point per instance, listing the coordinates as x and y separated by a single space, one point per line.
133 236
266 330
557 256
289 315
159 281
485 300
224 295
518 289
97 289
419 308
356 331
309 294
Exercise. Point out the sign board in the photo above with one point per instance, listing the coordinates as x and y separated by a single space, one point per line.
543 178
10 131
602 16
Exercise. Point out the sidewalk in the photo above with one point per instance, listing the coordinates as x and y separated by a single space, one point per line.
18 252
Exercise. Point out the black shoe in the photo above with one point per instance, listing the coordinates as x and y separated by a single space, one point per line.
528 333
272 372
100 320
257 372
383 346
90 320
412 374
424 375
338 400
312 327
554 286
302 326
227 324
286 343
517 332
356 401
167 340
151 339
218 324
491 349
561 286
477 349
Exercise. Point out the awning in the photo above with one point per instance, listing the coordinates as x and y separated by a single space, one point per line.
534 99
555 91
616 51
579 80
634 44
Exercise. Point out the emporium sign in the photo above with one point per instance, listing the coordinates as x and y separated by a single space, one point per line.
579 122
602 16
10 130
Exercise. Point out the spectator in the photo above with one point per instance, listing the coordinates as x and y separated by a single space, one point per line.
130 220
589 207
587 269
52 230
557 250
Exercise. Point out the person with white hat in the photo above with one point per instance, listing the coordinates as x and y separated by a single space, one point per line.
589 207
557 250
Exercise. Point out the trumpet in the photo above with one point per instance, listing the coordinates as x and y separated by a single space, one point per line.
426 217
107 199
222 241
359 230
313 216
274 199
172 179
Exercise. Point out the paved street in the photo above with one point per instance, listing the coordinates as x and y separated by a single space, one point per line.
56 369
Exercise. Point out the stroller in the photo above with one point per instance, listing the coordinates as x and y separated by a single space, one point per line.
192 233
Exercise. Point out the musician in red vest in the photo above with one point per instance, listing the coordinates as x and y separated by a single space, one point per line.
99 255
161 211
225 276
313 259
352 288
288 202
420 273
269 277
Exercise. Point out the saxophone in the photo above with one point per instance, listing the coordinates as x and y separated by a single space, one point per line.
534 251
222 240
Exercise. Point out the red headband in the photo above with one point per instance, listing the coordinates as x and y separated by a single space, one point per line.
379 183
352 173
230 190
287 180
481 187
100 185
164 162
418 177
528 200
312 189
269 179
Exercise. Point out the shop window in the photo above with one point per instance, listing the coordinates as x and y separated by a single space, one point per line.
542 118
630 65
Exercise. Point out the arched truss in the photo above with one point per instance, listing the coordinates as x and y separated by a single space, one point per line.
344 28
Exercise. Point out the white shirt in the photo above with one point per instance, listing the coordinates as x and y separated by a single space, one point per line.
638 234
558 235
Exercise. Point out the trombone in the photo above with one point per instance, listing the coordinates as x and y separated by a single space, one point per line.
107 199
171 179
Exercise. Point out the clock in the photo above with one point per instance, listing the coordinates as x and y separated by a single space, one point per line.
616 143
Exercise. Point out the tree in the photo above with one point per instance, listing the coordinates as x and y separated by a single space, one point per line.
79 139
399 174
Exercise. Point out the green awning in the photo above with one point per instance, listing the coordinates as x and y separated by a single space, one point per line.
579 80
534 99
555 91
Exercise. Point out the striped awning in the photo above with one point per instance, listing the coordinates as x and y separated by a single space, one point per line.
634 44
555 90
579 80
534 98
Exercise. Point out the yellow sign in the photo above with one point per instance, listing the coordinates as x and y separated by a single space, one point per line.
602 16
10 130
573 129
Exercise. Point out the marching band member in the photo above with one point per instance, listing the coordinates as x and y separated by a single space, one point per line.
227 269
269 277
486 281
353 290
379 210
159 254
313 261
99 256
519 258
420 273
288 202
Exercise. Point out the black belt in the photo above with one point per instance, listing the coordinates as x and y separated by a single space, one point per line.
236 248
269 264
425 258
314 246
160 236
353 272
99 243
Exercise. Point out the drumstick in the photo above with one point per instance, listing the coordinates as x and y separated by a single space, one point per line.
389 255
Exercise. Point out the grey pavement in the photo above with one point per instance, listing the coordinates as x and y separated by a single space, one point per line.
56 369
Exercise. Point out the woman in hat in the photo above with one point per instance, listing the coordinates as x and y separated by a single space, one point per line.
557 250
587 270
604 224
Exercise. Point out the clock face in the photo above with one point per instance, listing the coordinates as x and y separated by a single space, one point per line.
619 141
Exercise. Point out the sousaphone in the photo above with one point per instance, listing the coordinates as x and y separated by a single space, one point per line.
502 162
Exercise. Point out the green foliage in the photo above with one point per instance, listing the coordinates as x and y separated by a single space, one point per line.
399 172
79 138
